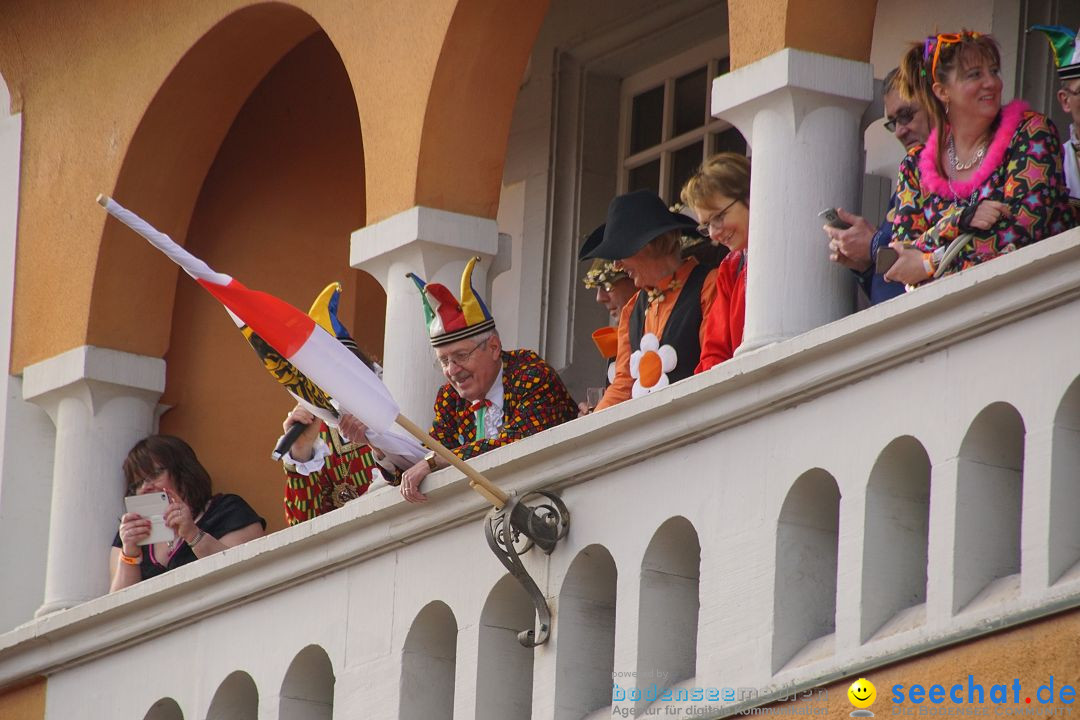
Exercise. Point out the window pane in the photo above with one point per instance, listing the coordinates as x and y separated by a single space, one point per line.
683 164
645 177
731 140
690 101
646 119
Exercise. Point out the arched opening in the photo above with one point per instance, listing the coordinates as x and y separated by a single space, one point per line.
164 709
277 207
668 609
804 592
1065 486
307 692
585 642
897 530
428 665
989 495
236 698
504 669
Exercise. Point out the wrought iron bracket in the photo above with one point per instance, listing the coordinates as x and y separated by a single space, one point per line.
512 531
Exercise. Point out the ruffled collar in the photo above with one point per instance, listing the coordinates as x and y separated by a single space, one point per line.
1011 117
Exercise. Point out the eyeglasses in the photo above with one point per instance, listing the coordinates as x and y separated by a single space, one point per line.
716 221
902 118
1069 91
147 479
461 356
934 43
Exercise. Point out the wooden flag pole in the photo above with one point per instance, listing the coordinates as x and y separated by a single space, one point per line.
491 492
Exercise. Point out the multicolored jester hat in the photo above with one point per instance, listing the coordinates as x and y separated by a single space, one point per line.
313 364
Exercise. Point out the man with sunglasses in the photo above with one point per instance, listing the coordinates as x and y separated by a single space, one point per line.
856 247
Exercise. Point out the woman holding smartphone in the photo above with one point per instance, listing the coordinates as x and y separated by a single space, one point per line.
990 171
203 523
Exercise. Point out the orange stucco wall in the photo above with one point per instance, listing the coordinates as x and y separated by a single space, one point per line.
142 117
831 27
1031 653
277 208
26 702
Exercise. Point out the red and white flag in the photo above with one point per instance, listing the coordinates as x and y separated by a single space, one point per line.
298 338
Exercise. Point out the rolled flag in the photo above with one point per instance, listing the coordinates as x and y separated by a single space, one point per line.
298 339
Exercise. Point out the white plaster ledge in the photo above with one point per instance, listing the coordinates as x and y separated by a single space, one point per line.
793 69
136 372
764 381
424 225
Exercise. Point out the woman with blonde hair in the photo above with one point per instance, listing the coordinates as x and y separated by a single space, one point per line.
987 172
719 194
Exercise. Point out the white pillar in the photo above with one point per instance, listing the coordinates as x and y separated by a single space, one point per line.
102 402
435 245
801 114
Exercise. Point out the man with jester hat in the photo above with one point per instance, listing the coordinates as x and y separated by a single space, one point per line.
1066 50
492 396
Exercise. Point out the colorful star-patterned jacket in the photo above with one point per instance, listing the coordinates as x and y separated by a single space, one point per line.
1021 168
534 399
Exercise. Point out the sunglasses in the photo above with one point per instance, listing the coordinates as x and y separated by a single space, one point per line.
902 118
933 44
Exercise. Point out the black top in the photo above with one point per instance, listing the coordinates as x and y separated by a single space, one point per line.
225 514
683 327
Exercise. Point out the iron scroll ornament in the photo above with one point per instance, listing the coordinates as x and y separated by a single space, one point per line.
543 525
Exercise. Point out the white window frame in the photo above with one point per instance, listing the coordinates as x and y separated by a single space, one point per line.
666 73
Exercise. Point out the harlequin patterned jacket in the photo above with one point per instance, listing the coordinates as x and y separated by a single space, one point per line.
534 399
1022 168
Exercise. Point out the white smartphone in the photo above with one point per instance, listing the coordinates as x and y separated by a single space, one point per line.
152 507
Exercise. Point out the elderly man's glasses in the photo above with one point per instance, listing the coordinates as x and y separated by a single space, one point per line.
902 118
461 356
716 221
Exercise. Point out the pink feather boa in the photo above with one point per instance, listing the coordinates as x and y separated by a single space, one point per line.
1011 117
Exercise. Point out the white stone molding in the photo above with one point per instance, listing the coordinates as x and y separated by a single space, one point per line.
801 113
723 449
102 402
435 245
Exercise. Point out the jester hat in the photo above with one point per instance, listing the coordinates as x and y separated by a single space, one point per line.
448 320
1065 47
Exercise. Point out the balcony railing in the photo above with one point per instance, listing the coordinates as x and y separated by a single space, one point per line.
880 487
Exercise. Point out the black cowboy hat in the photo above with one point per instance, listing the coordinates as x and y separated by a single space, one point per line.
633 220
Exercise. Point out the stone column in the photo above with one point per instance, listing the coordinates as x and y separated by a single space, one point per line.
435 245
101 402
801 113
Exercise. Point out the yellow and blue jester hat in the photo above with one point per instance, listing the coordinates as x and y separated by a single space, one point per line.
448 320
1066 50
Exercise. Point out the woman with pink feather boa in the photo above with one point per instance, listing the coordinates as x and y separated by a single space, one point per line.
992 173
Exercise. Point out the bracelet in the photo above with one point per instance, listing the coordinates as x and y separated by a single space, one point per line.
928 264
195 540
129 560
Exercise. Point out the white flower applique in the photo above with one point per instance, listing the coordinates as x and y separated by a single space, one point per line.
650 365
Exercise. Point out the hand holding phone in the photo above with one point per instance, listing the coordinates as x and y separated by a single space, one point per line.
152 506
832 219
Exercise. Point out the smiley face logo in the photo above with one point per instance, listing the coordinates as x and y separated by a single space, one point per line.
862 693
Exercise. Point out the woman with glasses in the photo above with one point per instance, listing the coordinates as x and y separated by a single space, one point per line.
988 174
659 333
203 523
719 194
